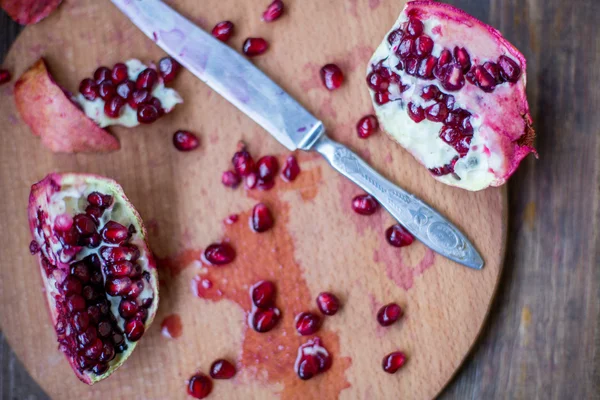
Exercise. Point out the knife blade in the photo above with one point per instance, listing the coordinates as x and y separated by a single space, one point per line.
255 94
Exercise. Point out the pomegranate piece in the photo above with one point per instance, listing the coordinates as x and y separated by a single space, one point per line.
243 163
26 12
398 236
263 294
261 219
312 359
119 73
331 76
219 254
365 204
185 141
255 46
389 314
199 386
230 179
366 126
168 68
264 319
393 362
81 286
222 369
328 303
50 114
441 68
223 30
273 11
291 169
307 323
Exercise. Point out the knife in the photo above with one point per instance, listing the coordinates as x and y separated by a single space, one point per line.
256 95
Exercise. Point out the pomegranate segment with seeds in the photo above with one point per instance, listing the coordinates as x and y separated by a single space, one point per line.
451 90
223 30
312 359
332 76
99 275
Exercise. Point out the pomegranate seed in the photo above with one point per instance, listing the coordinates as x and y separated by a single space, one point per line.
261 219
158 105
230 179
308 367
462 146
185 141
406 48
84 224
168 68
63 222
75 303
219 254
414 27
263 320
88 89
509 69
232 219
377 82
265 185
462 57
445 58
126 89
273 11
81 321
134 329
222 369
94 350
427 67
451 77
147 114
482 79
199 386
108 353
223 30
117 286
364 204
106 90
332 76
104 329
80 271
430 92
450 135
243 163
424 45
142 314
127 308
119 73
389 314
291 169
328 303
307 323
382 98
71 285
313 359
88 336
89 293
367 126
139 97
267 168
34 247
395 36
146 79
255 46
102 74
113 107
436 112
135 290
398 236
493 69
4 76
393 362
251 180
263 294
415 112
115 233
100 200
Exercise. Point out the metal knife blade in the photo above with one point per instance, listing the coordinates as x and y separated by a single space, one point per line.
255 94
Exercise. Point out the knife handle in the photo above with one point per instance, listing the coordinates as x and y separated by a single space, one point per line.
426 224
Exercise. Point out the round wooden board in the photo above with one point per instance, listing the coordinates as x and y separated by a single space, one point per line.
318 243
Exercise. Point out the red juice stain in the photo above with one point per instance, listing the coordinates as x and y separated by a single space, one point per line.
174 265
171 326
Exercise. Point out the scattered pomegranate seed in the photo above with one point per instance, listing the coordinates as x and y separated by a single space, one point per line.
263 320
261 219
219 254
146 79
88 89
313 359
168 68
273 11
267 168
106 90
232 219
393 362
332 76
230 179
222 369
119 73
367 126
223 30
113 107
102 74
4 76
365 204
328 303
263 294
389 314
291 169
243 163
199 386
307 323
398 236
185 141
255 46
147 114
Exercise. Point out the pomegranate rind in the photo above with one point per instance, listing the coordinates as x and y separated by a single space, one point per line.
39 197
505 136
52 116
27 12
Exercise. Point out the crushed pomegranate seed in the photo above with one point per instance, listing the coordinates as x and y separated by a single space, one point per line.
332 76
273 11
185 141
291 169
219 254
307 323
223 30
4 76
261 219
230 179
365 204
199 386
263 294
389 314
366 126
398 236
393 362
264 320
328 303
255 46
222 369
168 68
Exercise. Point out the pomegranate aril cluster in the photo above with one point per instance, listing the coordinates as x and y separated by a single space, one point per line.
264 315
313 359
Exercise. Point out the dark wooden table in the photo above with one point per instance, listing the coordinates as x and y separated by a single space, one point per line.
542 340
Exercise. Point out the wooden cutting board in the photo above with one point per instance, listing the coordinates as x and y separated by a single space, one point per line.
318 243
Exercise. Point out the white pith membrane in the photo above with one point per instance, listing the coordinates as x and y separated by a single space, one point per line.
94 109
71 199
498 118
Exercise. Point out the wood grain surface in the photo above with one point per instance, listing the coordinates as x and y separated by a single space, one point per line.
542 339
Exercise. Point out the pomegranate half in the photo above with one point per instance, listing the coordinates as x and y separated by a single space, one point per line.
451 90
99 275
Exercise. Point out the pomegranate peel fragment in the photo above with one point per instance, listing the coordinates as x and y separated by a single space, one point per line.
26 12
